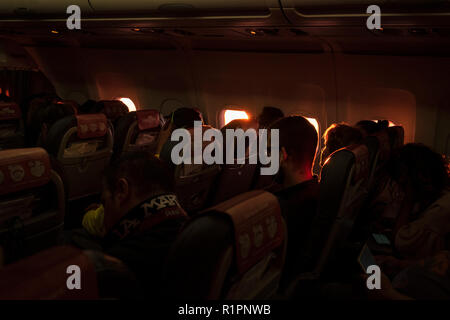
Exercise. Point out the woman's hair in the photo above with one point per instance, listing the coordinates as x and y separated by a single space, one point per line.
340 135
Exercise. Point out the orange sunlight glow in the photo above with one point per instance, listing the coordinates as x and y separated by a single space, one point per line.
129 103
314 122
231 115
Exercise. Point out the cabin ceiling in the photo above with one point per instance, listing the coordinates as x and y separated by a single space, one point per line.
423 28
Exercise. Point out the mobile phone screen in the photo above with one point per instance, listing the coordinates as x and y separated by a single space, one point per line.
366 258
381 239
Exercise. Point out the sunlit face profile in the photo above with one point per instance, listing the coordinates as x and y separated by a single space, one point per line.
231 115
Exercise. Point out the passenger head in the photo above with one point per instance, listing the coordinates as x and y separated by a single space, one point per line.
422 171
49 115
89 106
185 117
268 116
337 136
296 154
130 180
369 127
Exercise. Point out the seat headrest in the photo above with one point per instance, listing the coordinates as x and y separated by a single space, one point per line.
44 276
91 125
9 111
148 119
362 162
113 109
22 169
258 226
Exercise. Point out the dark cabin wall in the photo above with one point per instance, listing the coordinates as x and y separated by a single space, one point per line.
412 91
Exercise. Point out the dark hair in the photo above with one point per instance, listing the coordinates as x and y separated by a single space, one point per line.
145 173
54 112
427 171
185 117
89 106
299 137
369 127
269 115
340 135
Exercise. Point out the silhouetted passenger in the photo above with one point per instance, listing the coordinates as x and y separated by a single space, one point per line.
89 106
369 127
142 216
337 136
268 116
180 118
298 198
48 116
423 224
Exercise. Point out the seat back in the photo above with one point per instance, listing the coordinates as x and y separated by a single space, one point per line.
81 147
193 182
234 179
396 136
137 131
234 250
342 192
46 275
31 202
11 126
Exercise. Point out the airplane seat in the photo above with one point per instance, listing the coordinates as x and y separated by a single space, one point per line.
12 132
193 182
70 104
234 179
342 192
80 147
137 130
46 276
396 136
32 206
232 251
113 110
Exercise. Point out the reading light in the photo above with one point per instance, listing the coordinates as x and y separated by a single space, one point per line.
54 31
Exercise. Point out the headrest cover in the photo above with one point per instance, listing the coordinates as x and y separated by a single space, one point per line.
9 111
361 153
258 226
147 119
91 125
22 169
113 109
46 275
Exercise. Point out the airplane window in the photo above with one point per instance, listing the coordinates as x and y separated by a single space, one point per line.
230 115
129 103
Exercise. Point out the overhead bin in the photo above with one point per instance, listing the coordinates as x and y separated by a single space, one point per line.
335 12
185 7
40 8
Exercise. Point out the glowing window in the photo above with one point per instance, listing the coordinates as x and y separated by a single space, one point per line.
314 122
230 115
391 124
129 103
